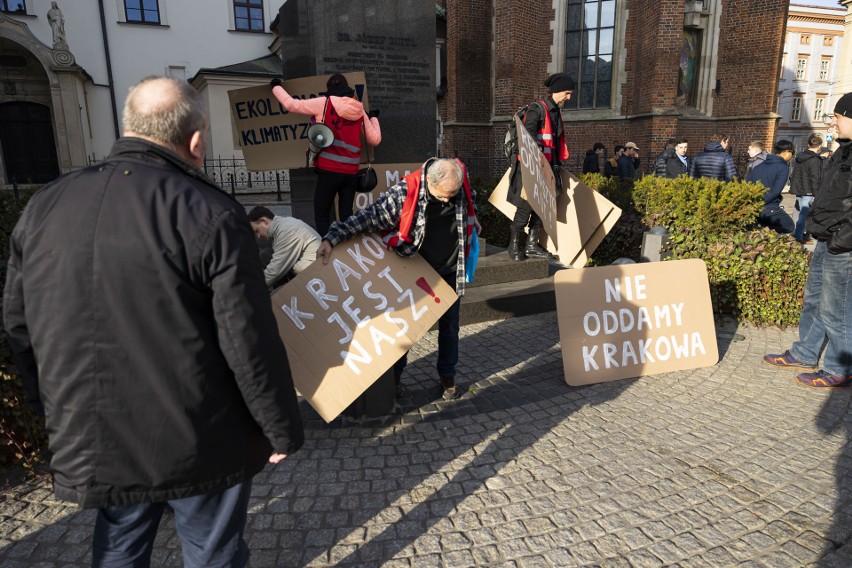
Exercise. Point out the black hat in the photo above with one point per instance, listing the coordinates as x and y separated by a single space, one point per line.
339 91
844 105
559 82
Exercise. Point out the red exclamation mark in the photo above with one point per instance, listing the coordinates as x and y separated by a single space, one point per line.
421 282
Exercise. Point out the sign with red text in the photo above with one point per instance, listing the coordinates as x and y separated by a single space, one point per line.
633 320
270 136
583 218
539 183
345 323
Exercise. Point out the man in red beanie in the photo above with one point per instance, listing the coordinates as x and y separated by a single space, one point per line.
827 307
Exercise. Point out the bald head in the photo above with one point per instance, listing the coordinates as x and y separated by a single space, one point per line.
165 111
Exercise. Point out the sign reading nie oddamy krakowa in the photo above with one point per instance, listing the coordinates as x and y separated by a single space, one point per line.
634 320
539 182
269 135
347 322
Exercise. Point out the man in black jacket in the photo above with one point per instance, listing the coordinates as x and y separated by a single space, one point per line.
804 182
136 307
714 162
543 121
827 306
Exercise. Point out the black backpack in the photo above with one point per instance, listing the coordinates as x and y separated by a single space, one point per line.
510 138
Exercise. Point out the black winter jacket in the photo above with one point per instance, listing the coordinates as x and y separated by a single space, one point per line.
136 306
807 173
830 217
591 164
660 161
674 167
714 162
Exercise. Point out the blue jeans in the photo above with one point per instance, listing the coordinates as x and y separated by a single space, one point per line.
448 341
804 202
210 528
827 312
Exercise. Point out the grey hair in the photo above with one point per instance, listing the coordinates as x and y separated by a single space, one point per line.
443 172
171 122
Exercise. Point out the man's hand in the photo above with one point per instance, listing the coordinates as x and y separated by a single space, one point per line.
324 251
275 458
276 82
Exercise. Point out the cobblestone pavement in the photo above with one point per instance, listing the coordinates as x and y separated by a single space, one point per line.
729 465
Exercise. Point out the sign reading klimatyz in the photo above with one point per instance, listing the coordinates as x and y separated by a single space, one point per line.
270 136
633 320
347 322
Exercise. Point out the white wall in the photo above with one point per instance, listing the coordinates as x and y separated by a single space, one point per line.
195 34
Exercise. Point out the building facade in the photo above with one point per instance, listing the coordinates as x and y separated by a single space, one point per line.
811 65
66 67
646 70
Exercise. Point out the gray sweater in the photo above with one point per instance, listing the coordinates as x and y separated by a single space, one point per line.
294 247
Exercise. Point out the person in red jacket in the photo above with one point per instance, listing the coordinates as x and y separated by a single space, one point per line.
336 166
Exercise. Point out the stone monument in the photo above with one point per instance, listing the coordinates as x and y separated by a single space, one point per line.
393 42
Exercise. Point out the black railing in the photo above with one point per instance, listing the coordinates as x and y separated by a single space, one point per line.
232 175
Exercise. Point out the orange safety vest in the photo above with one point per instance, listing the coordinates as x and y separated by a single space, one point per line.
545 138
344 154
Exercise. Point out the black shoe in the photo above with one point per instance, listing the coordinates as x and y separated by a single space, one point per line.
400 391
533 250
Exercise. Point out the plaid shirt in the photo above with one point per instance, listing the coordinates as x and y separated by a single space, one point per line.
384 215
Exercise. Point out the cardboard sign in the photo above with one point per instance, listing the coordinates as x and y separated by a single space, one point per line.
269 135
388 175
539 184
345 323
630 320
583 218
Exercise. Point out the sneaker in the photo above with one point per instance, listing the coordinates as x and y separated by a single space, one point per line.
823 380
787 361
449 390
451 393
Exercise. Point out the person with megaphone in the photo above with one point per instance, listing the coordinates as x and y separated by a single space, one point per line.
336 163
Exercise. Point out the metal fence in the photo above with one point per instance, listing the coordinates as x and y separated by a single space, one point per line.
232 175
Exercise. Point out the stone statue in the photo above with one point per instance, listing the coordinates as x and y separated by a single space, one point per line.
57 25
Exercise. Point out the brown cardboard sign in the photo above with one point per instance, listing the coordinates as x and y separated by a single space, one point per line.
269 135
388 176
631 320
539 184
345 323
583 218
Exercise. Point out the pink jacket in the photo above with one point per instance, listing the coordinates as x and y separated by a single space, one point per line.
347 107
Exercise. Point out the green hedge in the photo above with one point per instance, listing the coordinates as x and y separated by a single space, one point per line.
22 437
755 274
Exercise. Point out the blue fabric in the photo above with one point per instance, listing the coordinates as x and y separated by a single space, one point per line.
448 341
773 174
804 206
827 312
774 217
472 258
210 528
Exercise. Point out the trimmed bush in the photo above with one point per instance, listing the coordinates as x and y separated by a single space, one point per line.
625 238
755 274
495 225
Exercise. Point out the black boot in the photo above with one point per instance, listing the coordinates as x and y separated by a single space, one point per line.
515 250
532 249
